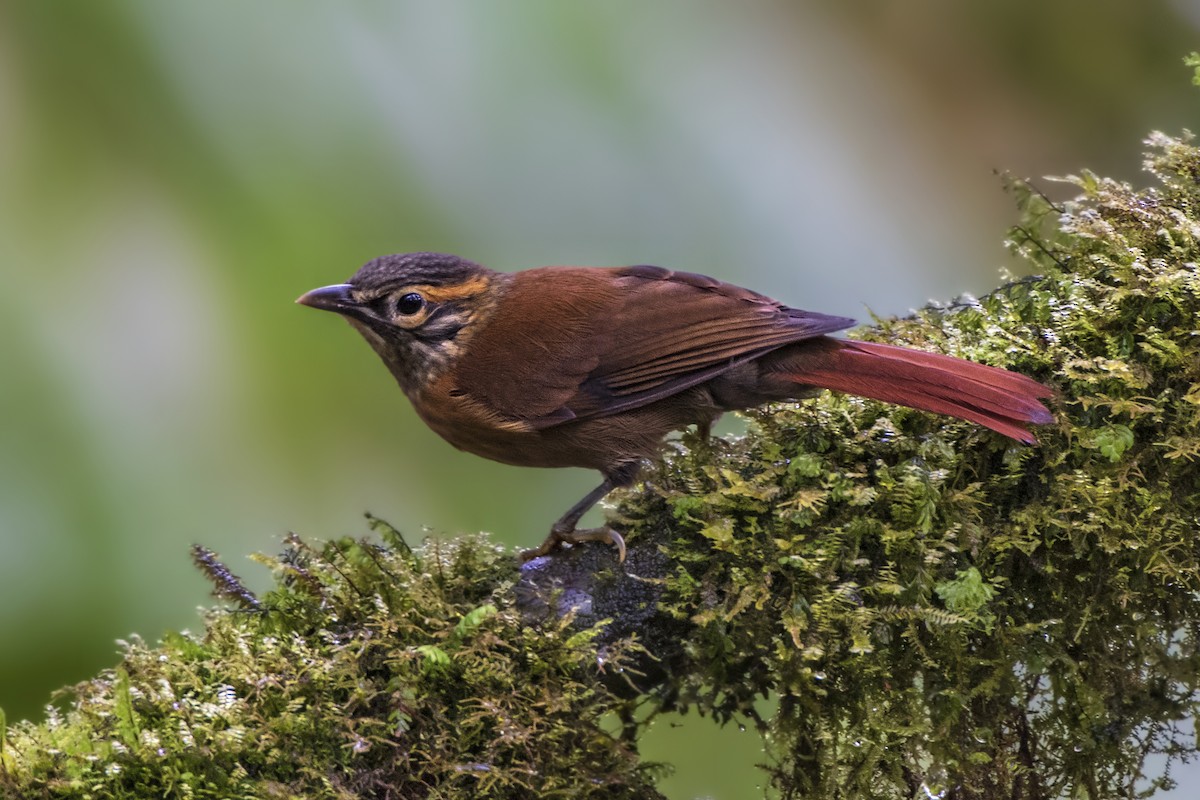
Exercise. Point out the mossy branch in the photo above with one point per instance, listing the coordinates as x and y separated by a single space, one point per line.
935 608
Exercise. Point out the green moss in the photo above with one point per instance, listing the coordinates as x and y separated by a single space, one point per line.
938 608
934 607
374 673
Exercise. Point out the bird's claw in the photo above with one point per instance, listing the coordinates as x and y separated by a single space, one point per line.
557 538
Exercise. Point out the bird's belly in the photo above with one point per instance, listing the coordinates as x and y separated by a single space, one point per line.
594 443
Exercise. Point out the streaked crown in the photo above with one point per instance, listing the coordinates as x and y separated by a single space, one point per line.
430 269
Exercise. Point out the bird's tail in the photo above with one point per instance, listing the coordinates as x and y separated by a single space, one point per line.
1006 402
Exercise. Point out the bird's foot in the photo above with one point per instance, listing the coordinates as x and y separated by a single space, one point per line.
557 538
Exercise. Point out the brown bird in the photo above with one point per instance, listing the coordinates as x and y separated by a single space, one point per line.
592 367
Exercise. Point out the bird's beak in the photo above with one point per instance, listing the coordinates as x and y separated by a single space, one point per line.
330 298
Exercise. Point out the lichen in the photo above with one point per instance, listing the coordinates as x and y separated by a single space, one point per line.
934 608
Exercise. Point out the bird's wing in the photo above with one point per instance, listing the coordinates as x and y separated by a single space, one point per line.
602 341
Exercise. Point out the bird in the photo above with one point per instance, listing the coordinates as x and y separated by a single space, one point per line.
593 366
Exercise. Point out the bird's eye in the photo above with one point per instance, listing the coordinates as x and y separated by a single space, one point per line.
410 304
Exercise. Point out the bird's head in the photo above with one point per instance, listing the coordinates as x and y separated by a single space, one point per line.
415 309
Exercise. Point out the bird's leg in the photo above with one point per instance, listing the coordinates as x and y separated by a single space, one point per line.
564 530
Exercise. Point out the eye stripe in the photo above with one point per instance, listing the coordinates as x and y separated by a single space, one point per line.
459 291
442 294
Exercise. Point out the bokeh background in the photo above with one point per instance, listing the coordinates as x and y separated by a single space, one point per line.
174 174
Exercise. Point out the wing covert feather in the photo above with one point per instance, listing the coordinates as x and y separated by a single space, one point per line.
621 338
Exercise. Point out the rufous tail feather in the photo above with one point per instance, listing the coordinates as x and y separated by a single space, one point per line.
1007 402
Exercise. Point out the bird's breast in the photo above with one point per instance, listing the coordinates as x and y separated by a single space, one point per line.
592 443
470 425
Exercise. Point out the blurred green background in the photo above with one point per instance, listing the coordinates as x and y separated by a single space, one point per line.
173 175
